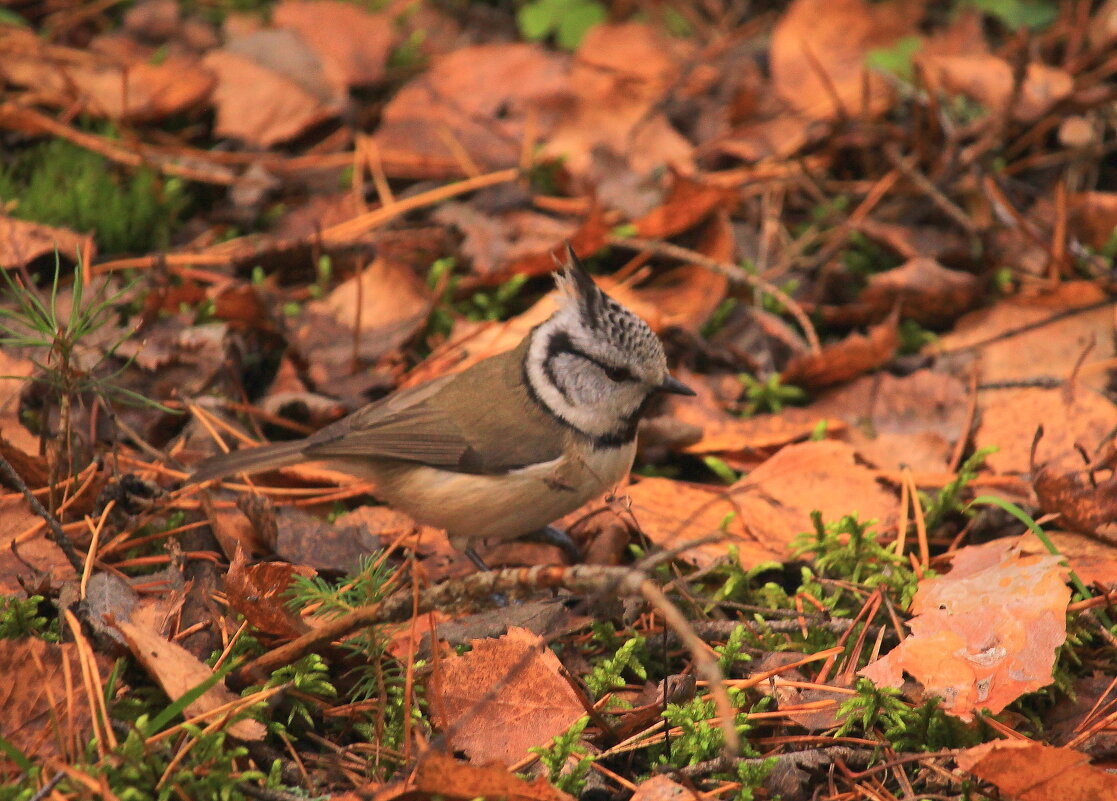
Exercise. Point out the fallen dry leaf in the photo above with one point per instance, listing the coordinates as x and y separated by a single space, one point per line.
177 670
925 291
1011 417
476 101
985 633
439 775
915 241
988 80
661 788
762 513
910 421
22 242
35 559
352 44
619 76
259 593
846 359
1027 771
259 106
132 88
1042 335
502 698
818 55
1093 216
686 296
365 316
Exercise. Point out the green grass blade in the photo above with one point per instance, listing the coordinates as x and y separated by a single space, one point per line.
176 707
16 756
1033 526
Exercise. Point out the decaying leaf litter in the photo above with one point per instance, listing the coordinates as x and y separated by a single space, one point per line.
877 238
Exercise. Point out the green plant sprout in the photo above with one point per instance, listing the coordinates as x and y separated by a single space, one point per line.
606 674
848 549
21 617
557 756
567 20
68 370
769 395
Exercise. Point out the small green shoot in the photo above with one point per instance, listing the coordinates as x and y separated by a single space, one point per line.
307 678
66 364
898 59
557 758
948 500
769 395
720 469
607 674
1036 15
566 20
914 337
21 617
848 549
719 318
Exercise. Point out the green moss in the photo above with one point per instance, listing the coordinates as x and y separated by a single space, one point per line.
58 183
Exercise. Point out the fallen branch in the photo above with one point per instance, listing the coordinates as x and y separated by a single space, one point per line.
582 579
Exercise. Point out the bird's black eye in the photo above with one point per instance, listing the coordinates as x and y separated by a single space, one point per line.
618 374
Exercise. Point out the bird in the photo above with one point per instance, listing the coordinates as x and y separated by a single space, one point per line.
502 449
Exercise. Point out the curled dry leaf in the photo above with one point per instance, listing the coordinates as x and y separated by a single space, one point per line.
119 87
22 242
1093 216
502 698
1027 771
1084 501
849 358
258 592
985 633
925 291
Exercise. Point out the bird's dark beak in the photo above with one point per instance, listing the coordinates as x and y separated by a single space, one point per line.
675 387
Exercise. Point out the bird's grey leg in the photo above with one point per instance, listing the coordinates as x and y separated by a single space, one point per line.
476 559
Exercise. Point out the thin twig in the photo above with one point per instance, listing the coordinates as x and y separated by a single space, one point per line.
585 579
55 532
731 271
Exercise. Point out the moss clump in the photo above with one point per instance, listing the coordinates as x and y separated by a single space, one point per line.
58 183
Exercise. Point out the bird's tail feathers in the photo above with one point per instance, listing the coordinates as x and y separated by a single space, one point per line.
250 460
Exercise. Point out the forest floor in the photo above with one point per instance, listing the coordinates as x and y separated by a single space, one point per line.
874 558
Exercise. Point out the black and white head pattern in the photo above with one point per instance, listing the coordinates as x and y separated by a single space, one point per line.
593 364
